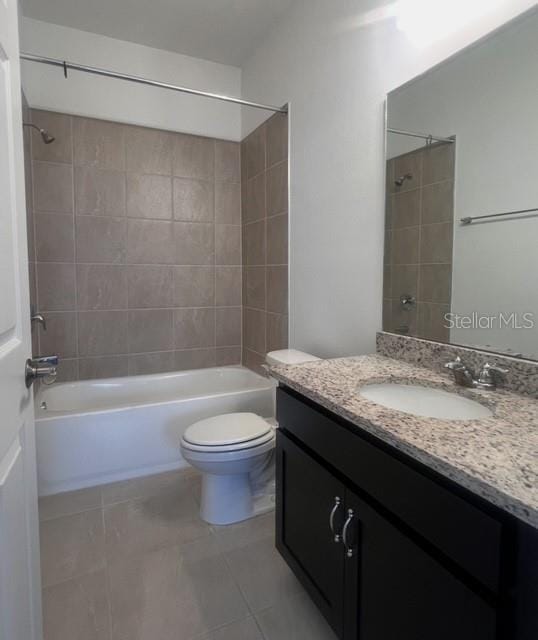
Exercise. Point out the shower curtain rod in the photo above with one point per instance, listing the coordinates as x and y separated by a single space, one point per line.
63 64
424 136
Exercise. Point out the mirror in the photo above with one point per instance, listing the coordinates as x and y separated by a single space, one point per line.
461 251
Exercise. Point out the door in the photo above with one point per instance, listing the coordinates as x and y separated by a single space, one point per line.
309 519
394 589
20 611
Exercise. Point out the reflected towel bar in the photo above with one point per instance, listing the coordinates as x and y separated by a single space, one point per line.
471 219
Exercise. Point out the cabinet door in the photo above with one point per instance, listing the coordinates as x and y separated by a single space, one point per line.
307 495
395 590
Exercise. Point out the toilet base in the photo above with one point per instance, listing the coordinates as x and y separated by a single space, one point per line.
227 499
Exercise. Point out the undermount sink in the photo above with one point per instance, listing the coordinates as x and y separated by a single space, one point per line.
424 401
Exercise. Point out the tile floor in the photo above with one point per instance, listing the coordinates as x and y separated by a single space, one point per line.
133 561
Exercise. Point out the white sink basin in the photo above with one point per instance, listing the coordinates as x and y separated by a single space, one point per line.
424 401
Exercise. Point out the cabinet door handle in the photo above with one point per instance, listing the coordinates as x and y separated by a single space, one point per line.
334 510
348 546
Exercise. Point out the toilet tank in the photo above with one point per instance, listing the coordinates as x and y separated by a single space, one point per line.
289 356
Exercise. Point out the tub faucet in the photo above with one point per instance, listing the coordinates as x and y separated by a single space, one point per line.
489 377
40 319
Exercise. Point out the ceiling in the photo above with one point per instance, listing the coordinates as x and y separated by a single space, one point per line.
224 31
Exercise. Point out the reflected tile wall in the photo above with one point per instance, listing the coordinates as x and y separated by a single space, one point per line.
264 180
135 247
418 241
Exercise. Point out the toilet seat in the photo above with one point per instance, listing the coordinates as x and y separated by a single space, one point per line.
227 432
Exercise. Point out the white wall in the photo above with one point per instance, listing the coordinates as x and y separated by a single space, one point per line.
335 61
487 99
99 97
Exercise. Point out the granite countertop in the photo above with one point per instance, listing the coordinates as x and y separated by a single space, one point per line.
495 458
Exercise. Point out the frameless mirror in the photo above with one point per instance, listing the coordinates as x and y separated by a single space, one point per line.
461 254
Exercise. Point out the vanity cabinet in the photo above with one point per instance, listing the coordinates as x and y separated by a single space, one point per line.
385 548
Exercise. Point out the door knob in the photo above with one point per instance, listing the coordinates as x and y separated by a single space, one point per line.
45 368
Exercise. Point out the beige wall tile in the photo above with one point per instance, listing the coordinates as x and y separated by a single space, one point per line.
438 163
194 156
148 150
60 338
227 244
99 192
227 203
254 330
99 143
56 289
194 200
150 286
405 245
102 333
404 280
277 332
254 291
277 189
435 283
195 243
255 202
277 240
150 330
77 608
149 196
71 546
436 243
100 239
53 187
103 367
403 320
194 286
226 356
228 326
150 242
255 152
54 238
57 125
406 209
227 161
228 286
387 281
438 202
67 370
194 328
277 289
254 243
195 359
148 363
254 361
277 139
431 323
101 286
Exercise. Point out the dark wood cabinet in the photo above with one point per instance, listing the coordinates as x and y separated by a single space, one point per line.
386 550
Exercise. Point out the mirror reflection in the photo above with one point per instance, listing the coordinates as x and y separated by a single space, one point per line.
461 253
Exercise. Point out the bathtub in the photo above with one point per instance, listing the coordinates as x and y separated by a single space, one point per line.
98 431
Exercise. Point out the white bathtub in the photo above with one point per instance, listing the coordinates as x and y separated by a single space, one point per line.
98 431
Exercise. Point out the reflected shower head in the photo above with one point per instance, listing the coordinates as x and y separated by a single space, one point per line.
45 135
399 181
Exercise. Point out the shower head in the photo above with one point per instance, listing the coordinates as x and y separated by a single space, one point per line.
45 135
399 181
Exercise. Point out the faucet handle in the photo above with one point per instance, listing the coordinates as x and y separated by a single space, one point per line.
455 364
491 375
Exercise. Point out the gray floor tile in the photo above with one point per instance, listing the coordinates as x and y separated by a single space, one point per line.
71 546
238 535
294 618
243 630
63 504
146 486
262 575
141 525
77 608
173 593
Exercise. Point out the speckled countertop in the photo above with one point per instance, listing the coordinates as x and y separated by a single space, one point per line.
496 457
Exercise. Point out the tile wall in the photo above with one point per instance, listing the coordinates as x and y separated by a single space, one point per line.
135 247
264 179
418 242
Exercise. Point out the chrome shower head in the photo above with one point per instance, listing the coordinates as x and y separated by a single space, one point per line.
45 135
399 181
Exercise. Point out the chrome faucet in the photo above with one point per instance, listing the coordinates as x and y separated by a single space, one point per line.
40 319
489 377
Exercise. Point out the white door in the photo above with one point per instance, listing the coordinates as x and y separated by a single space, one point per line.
20 603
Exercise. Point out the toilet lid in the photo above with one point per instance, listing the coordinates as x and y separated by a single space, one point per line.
226 429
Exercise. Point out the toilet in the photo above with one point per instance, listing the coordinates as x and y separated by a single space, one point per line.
234 452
